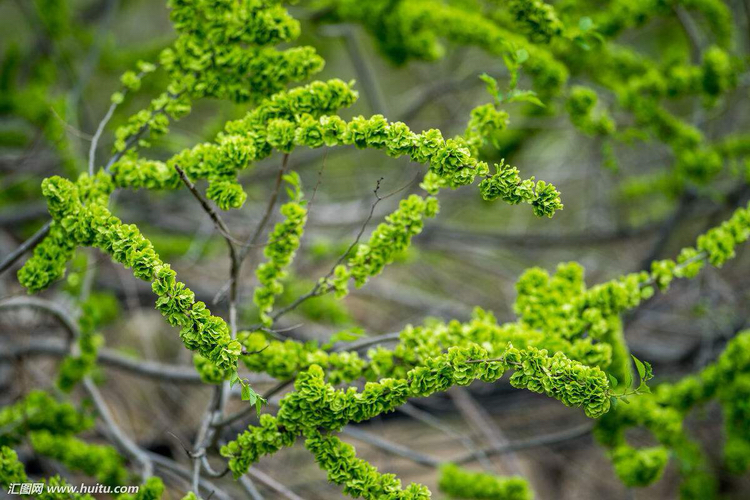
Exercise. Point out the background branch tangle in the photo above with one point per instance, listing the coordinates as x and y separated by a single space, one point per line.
567 342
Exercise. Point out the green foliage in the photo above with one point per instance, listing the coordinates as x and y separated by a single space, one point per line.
663 411
283 242
359 478
387 241
461 483
317 405
567 342
39 412
12 471
100 461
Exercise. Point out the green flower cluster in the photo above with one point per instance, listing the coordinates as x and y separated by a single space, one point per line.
537 18
99 461
224 49
359 478
386 242
12 471
272 124
283 242
507 185
303 117
639 467
625 14
152 489
411 30
92 224
39 411
580 106
317 405
663 411
461 483
283 360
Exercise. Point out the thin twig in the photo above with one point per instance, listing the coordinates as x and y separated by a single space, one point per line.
115 433
390 447
97 136
25 247
318 288
273 484
160 372
207 207
253 239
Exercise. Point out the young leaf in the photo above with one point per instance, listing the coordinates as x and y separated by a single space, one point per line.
640 367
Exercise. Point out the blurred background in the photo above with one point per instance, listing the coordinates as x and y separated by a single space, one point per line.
470 255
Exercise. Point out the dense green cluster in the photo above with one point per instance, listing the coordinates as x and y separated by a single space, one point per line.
100 461
507 185
303 117
12 472
283 242
358 477
317 405
80 211
386 242
461 483
663 411
38 412
412 30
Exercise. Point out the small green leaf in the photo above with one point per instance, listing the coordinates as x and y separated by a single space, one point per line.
522 55
492 87
640 367
612 380
585 23
524 96
248 394
235 377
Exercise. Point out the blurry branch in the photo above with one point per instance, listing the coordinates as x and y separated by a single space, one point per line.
53 308
434 422
250 488
534 442
161 372
668 227
97 136
172 466
436 232
691 32
273 484
396 449
25 247
478 418
253 240
116 434
361 63
390 447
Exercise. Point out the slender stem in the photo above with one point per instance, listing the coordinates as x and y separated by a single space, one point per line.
253 239
160 372
115 433
273 484
97 136
25 247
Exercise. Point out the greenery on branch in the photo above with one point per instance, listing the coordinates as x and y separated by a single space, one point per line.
561 62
